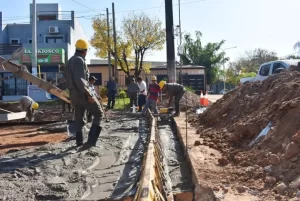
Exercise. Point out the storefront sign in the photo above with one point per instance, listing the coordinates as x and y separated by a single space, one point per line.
45 56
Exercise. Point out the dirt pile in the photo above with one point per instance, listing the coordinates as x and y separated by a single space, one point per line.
233 122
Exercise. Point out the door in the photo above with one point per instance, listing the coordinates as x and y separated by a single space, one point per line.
277 66
264 72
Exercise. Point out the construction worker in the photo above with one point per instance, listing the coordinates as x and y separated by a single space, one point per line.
29 106
111 92
153 95
76 69
142 94
173 90
133 90
92 81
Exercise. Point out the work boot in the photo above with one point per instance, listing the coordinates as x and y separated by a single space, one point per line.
94 134
79 139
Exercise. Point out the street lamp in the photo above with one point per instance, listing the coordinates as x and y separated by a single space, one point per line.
224 64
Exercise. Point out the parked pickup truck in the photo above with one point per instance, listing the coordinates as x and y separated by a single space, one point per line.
270 68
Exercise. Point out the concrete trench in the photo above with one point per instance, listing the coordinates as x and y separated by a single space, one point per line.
61 172
175 170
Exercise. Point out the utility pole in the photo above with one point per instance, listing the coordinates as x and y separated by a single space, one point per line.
34 43
108 44
180 41
115 43
171 65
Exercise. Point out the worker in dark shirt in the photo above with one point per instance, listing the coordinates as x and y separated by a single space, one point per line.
76 69
173 90
133 90
111 92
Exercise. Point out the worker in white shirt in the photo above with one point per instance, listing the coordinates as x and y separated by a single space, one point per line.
92 81
143 93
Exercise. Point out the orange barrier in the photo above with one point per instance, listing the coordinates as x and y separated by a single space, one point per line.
204 100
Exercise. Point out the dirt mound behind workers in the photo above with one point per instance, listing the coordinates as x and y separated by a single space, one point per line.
233 122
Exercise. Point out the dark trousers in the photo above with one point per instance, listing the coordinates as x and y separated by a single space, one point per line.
80 111
64 106
133 99
111 100
141 101
178 97
29 114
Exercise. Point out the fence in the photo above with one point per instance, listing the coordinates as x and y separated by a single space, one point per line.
194 81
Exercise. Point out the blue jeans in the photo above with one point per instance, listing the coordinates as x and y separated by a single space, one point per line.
152 103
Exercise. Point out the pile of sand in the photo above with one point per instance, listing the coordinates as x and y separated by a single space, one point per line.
234 121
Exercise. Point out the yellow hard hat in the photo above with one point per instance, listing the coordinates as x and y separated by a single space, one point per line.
81 45
162 84
153 78
34 105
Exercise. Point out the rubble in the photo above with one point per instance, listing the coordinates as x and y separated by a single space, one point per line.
236 120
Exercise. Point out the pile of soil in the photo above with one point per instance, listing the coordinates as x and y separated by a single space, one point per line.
189 101
12 107
234 121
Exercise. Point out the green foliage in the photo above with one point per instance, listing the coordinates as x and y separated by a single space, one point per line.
252 60
122 94
103 92
204 55
139 34
189 89
145 34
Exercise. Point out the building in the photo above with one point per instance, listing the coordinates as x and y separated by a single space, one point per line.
192 75
57 33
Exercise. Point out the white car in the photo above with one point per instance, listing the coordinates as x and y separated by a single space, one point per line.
270 68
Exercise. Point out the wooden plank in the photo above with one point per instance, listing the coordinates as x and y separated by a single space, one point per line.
12 116
21 71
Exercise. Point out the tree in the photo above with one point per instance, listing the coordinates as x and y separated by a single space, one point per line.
208 55
100 42
253 59
145 34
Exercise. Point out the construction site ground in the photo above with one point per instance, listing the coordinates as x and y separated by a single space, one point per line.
39 165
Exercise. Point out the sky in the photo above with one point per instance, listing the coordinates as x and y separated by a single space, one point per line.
244 24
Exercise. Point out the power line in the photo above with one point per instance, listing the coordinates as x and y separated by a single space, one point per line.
96 10
86 6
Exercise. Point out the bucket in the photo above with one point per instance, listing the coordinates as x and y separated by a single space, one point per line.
163 110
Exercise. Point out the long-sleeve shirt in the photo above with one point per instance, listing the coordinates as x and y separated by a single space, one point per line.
143 87
93 90
154 91
76 69
133 88
111 87
25 103
173 88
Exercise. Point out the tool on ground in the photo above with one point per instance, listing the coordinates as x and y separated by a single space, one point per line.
90 92
15 56
165 113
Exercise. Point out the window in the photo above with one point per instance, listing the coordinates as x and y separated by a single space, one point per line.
14 41
264 71
277 66
29 40
52 39
98 76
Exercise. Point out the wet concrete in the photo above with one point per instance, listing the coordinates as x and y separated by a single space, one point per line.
61 171
176 170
